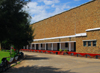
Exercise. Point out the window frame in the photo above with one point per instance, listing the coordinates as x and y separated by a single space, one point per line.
95 43
84 43
89 43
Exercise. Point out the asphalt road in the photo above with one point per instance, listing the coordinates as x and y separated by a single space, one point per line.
51 63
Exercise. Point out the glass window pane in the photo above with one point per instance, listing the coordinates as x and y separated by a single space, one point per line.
94 43
89 43
84 43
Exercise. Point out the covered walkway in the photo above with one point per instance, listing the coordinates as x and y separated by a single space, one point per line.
54 46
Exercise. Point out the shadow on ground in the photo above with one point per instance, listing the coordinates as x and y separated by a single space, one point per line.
33 57
36 69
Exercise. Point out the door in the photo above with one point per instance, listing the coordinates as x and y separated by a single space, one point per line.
36 46
74 46
46 46
58 47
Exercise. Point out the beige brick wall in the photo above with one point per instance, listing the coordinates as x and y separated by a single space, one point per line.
76 20
81 18
90 36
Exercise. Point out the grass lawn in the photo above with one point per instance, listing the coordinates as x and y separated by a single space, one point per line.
4 54
7 54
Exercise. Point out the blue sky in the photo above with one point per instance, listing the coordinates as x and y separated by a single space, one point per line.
41 9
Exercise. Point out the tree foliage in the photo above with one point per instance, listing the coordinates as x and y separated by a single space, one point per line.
15 23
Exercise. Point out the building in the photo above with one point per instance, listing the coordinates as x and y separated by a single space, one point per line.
76 30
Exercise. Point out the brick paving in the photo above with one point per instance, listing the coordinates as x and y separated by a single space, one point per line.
51 63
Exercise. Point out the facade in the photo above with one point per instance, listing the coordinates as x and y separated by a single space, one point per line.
76 30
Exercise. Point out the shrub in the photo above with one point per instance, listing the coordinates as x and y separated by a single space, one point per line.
12 50
60 49
65 50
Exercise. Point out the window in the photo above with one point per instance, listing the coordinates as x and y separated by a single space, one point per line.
89 43
84 43
41 45
94 43
66 44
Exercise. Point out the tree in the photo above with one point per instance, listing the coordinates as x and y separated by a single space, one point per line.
15 23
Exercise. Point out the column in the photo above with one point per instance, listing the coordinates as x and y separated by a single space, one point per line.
69 46
30 46
27 46
52 46
59 45
23 47
45 46
40 46
35 46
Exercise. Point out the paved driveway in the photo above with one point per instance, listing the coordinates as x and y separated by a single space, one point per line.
50 63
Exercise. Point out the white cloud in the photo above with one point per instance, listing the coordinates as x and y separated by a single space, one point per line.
61 8
53 5
49 2
38 12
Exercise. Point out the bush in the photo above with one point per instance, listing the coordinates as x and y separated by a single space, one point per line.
65 50
60 49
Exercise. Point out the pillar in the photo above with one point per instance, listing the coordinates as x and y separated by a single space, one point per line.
23 47
45 46
30 46
69 46
52 46
35 46
59 45
27 46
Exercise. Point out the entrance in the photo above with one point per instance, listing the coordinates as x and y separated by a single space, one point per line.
46 46
74 46
36 46
58 47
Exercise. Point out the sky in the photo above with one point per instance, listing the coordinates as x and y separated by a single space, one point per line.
42 9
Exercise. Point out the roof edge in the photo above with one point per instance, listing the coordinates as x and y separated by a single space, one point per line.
76 35
65 11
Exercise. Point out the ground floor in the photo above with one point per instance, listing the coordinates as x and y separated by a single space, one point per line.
55 46
87 42
51 63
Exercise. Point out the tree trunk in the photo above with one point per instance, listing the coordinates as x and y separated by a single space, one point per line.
0 46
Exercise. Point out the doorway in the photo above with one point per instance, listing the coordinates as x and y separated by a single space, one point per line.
46 46
58 46
36 46
74 46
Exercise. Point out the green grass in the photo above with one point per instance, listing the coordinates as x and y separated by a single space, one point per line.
7 54
4 54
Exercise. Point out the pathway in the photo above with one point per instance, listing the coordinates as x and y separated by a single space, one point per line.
51 63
